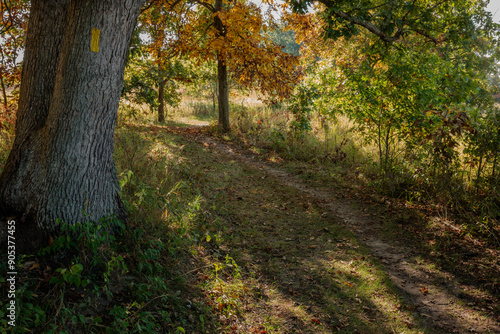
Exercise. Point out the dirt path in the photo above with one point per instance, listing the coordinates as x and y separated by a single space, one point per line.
431 292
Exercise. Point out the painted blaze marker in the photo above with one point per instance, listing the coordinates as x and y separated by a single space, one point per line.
94 43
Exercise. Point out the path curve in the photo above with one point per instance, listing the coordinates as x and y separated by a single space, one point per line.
437 304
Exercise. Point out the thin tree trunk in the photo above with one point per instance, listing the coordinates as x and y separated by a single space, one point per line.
494 165
161 84
161 98
214 93
61 164
479 169
222 75
379 142
161 102
4 91
387 144
223 95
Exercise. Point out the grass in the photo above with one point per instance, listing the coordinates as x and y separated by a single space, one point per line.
276 242
455 239
336 151
215 246
210 247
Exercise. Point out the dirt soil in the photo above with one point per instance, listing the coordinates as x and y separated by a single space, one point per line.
433 294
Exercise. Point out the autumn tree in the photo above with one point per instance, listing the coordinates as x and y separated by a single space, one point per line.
154 67
61 164
234 33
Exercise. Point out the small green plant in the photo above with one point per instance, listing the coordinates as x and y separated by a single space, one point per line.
70 276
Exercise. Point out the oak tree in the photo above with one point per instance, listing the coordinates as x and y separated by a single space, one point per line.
61 164
235 34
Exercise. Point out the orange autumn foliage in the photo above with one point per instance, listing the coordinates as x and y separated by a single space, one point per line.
254 60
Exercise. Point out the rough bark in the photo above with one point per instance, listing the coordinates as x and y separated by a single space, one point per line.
223 97
61 164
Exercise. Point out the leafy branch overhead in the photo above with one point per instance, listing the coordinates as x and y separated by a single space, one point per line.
435 21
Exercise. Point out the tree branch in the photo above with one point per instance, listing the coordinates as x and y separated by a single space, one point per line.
10 22
427 35
369 26
150 4
207 6
377 31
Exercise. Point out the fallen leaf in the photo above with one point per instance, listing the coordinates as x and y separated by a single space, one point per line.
34 266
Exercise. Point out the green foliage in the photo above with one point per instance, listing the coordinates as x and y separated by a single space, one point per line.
129 321
456 21
88 236
285 38
301 105
143 78
70 275
204 82
418 80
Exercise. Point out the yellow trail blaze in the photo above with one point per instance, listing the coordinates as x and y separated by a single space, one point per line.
94 44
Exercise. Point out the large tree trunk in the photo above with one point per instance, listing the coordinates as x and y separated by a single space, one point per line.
61 164
223 98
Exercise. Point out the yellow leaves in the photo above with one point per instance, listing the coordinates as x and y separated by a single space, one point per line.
218 44
252 57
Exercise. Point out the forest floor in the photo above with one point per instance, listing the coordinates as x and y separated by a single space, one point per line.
313 256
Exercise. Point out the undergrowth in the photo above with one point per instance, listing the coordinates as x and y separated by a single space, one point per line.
336 151
169 268
110 277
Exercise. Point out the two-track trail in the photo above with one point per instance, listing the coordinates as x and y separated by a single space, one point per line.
348 282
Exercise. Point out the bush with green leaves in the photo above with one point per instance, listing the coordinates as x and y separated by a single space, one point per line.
427 107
